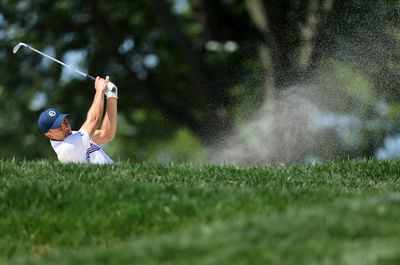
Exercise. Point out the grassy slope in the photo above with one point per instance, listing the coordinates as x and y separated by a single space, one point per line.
337 213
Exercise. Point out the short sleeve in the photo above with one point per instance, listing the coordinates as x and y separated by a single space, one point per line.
85 138
74 147
78 139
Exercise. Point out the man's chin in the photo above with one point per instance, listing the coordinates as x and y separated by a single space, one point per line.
67 132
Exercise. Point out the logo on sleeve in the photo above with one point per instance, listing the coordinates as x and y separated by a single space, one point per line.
52 113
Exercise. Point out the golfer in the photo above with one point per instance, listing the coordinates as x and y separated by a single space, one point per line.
83 146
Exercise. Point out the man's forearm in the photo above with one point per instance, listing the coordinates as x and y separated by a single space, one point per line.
109 126
95 112
96 109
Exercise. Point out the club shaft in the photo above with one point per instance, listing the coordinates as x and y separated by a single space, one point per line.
63 64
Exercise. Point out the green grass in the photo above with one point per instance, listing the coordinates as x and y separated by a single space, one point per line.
334 213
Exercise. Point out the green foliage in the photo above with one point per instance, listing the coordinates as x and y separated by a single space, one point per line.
199 67
336 213
182 148
345 89
117 39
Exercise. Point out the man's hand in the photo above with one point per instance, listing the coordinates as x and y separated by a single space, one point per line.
100 84
112 90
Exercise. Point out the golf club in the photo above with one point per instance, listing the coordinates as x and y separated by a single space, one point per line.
16 48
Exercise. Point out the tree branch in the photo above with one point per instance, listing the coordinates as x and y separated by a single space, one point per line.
326 8
316 12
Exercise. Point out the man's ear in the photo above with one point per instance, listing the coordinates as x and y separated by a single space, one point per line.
48 134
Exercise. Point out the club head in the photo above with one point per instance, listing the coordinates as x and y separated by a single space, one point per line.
16 48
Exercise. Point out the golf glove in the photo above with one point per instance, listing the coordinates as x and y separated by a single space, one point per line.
112 90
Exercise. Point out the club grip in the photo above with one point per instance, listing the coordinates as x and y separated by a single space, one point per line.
91 77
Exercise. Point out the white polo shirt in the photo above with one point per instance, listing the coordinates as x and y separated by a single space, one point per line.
77 148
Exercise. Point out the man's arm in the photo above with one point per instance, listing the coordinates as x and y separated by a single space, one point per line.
108 129
95 112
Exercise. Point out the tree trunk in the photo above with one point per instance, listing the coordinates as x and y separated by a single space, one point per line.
289 29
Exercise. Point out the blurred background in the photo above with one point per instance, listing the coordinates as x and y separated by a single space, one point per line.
244 82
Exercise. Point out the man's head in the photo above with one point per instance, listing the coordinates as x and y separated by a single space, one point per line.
54 124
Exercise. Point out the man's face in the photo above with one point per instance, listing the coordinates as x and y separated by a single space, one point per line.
60 133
